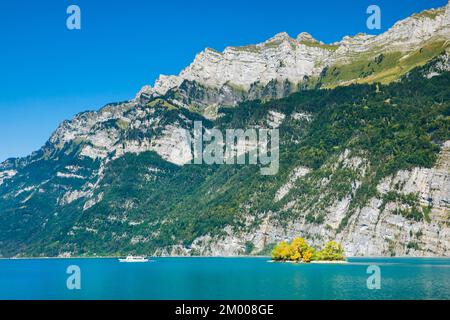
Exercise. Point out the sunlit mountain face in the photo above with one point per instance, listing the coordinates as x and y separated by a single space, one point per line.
364 155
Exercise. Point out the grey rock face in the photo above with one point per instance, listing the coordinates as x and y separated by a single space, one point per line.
371 231
278 66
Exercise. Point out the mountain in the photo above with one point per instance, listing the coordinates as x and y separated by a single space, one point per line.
282 65
364 155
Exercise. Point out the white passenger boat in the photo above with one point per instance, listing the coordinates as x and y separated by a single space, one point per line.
134 259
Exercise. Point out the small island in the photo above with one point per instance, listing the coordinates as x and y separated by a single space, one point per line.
299 251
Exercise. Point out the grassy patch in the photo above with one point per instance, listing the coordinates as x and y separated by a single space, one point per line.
316 44
383 68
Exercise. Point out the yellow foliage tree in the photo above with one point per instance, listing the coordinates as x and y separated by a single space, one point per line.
296 256
282 251
331 252
294 251
299 250
307 255
299 246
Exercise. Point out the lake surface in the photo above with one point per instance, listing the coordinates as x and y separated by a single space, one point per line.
224 278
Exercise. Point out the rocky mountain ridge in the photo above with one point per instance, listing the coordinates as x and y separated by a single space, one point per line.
241 73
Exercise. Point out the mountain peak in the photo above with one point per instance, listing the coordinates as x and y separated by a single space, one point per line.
432 13
305 36
281 36
447 11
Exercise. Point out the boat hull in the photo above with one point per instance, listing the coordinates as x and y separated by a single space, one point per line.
128 260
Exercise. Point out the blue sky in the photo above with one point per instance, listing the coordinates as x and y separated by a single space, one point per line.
48 73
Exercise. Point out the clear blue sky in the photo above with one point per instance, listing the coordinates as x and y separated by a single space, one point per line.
48 73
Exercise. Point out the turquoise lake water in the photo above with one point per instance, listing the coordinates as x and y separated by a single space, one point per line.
224 278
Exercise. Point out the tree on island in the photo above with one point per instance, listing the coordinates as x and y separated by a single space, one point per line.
299 250
333 251
282 252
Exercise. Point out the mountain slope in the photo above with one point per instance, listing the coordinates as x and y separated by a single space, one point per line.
366 163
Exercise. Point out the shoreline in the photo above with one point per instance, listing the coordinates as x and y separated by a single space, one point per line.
312 262
330 262
221 257
118 257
